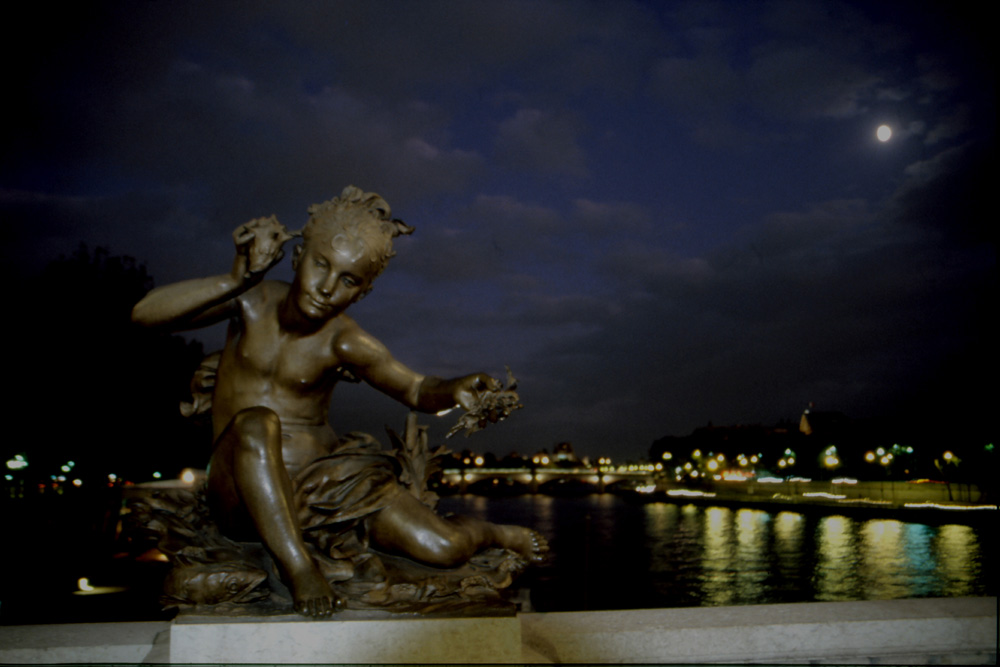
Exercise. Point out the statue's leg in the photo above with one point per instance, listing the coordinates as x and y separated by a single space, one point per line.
410 528
248 484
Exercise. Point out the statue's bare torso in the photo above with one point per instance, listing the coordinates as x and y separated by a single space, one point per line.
293 375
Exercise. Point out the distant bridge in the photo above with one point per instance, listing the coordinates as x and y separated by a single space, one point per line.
540 480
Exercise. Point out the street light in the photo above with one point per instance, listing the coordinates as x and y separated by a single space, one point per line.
17 463
830 458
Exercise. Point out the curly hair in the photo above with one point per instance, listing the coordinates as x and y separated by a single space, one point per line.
357 217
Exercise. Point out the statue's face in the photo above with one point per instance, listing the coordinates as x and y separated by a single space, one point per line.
330 275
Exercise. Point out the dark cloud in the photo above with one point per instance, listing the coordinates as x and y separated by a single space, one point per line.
806 81
949 192
540 141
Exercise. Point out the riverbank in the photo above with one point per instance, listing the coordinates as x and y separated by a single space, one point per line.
931 514
928 503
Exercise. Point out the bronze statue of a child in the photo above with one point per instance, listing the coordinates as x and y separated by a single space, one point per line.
287 346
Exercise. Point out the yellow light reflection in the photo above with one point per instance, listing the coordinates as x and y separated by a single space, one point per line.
788 530
717 561
751 552
958 560
883 565
836 559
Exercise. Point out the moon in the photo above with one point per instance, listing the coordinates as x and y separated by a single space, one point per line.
884 133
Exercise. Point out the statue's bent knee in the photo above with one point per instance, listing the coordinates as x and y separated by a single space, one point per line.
257 427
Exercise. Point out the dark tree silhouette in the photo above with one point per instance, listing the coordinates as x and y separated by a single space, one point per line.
92 387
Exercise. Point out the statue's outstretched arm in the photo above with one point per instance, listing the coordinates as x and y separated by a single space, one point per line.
370 360
202 301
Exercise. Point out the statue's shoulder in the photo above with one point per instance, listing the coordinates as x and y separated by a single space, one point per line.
260 302
267 293
352 342
344 329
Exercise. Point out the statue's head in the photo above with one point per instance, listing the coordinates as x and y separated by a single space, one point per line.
355 223
347 244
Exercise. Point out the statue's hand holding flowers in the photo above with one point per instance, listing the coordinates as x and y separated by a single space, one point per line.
485 402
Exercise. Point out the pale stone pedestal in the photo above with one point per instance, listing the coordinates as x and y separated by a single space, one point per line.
79 642
953 631
960 631
353 637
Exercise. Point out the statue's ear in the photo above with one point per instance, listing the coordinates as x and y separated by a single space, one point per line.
296 257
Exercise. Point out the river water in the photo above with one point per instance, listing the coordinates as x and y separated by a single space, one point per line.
608 553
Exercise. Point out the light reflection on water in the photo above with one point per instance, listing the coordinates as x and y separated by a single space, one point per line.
609 554
717 565
836 571
752 527
958 560
883 564
786 545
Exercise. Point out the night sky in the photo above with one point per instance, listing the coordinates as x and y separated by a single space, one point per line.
659 215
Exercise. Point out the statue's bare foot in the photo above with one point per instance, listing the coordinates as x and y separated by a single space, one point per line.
528 543
313 595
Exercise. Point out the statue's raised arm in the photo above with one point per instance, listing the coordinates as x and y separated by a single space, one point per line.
193 303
